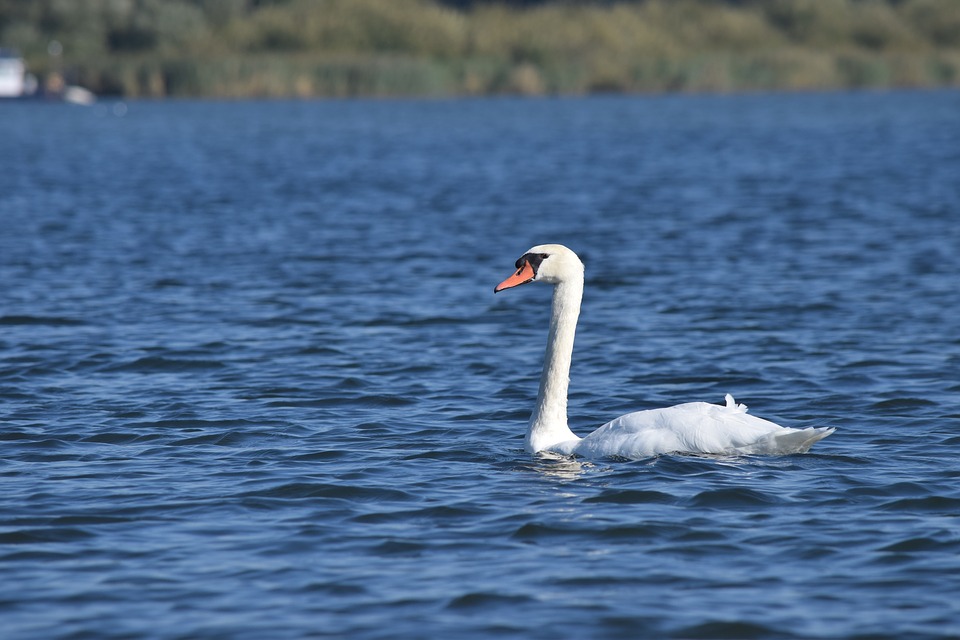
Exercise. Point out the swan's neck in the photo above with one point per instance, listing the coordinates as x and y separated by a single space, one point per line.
548 424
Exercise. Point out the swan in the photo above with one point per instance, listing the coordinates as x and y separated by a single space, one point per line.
690 428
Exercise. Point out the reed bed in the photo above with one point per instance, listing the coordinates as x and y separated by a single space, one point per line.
338 48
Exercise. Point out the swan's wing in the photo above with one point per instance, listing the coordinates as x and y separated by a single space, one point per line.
696 427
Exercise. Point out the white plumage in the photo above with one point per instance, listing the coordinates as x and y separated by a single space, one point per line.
694 427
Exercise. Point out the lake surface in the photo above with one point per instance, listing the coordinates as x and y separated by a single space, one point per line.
254 381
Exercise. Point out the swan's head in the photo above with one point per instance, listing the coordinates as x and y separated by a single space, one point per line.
550 263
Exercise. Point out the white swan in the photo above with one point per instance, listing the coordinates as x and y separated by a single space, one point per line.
695 427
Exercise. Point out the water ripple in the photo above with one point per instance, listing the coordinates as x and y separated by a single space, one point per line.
276 397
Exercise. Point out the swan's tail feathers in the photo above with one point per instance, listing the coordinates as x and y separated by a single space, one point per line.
799 441
732 404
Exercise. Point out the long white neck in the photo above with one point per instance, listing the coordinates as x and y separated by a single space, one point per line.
548 423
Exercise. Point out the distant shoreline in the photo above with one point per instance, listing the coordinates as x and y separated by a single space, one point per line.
129 100
404 77
422 48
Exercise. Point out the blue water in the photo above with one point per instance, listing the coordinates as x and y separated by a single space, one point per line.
254 382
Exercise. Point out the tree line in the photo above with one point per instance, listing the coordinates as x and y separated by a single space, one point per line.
244 48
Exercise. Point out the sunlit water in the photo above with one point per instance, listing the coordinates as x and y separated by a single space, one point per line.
254 382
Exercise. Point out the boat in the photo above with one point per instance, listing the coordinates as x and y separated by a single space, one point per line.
16 83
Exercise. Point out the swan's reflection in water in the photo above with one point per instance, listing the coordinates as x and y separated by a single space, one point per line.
560 467
567 468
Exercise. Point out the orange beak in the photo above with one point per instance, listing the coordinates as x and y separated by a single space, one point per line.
523 275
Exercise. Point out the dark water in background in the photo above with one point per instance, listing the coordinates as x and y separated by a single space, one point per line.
254 381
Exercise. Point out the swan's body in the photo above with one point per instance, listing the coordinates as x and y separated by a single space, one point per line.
695 427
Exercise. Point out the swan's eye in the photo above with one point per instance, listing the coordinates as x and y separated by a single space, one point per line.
532 259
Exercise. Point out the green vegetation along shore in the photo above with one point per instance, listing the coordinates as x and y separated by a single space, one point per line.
252 48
